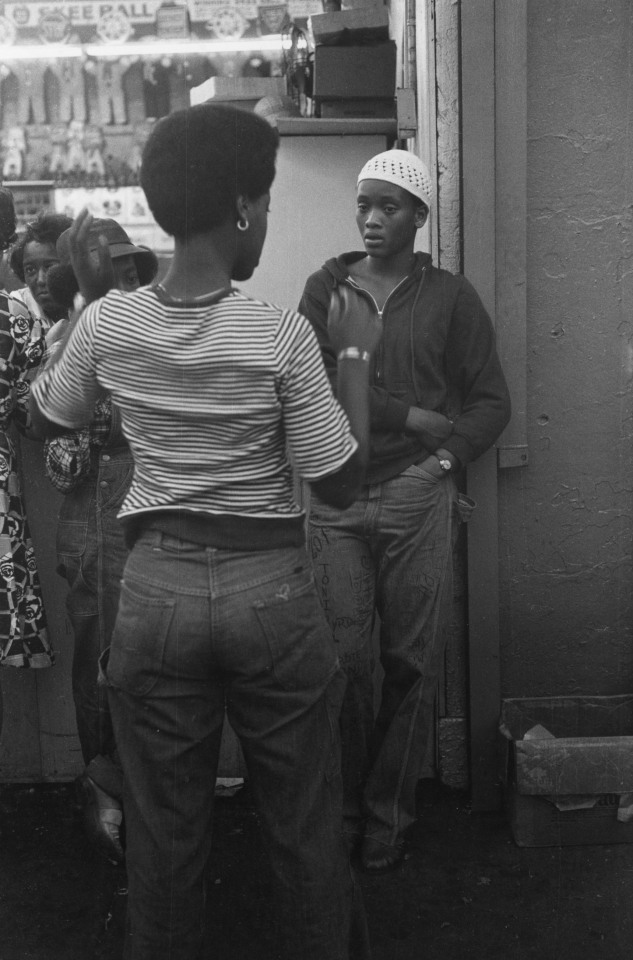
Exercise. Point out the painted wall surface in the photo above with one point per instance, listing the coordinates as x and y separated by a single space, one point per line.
566 524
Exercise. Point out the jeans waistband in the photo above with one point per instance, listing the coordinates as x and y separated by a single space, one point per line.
223 531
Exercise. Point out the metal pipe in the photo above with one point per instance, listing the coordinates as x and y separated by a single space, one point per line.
410 60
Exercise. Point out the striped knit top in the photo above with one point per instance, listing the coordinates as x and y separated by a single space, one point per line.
217 398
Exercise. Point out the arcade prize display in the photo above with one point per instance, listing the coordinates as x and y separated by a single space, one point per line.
81 85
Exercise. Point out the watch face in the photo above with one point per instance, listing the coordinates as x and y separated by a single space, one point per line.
445 465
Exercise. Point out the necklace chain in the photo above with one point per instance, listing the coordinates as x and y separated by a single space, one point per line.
202 296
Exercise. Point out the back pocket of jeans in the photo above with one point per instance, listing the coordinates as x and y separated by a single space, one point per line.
298 636
138 641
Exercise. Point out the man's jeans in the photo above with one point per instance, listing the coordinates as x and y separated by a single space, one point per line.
200 629
91 554
390 552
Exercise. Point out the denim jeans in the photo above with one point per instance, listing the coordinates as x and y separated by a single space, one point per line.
91 554
201 631
389 553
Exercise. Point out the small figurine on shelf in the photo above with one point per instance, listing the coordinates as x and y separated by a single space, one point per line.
59 139
94 144
13 153
75 154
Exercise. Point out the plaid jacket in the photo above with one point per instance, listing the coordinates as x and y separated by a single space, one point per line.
67 457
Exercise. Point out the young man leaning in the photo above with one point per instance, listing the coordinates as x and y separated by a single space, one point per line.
438 400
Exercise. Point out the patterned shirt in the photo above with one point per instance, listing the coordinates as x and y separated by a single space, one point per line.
21 352
219 398
24 640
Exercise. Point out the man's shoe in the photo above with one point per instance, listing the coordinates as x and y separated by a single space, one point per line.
103 817
377 857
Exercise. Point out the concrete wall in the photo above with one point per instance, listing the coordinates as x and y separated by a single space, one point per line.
566 526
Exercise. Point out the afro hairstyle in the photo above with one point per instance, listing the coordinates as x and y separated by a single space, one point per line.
197 162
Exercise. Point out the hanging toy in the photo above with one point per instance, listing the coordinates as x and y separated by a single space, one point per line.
14 152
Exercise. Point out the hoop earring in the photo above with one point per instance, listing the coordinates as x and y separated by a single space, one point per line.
243 224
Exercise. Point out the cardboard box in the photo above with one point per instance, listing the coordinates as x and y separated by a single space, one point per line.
537 822
352 73
361 25
376 109
562 782
242 92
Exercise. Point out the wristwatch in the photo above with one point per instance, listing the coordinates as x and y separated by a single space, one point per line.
444 464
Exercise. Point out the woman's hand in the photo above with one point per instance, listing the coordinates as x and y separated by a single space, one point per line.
94 276
353 321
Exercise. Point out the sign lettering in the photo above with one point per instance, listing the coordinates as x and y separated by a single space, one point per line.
31 14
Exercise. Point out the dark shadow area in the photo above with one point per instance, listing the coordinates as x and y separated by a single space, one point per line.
464 892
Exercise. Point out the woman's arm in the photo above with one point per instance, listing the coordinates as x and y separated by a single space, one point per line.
354 330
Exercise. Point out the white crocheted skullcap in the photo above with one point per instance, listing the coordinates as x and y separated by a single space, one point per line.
402 168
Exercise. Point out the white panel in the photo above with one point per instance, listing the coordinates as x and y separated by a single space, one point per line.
312 211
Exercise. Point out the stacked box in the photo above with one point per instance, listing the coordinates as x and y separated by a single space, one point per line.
366 24
566 764
354 63
243 92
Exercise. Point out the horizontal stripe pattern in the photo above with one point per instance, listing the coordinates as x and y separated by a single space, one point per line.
216 400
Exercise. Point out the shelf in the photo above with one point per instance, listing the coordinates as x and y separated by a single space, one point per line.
28 183
140 48
312 127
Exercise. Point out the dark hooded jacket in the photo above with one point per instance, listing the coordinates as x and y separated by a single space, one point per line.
437 352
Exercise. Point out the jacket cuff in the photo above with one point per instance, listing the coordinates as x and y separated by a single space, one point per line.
460 448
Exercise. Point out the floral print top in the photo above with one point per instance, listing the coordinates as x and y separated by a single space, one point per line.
24 638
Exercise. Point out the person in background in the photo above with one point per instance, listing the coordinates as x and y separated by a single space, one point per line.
31 258
438 400
218 610
8 236
24 640
93 468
